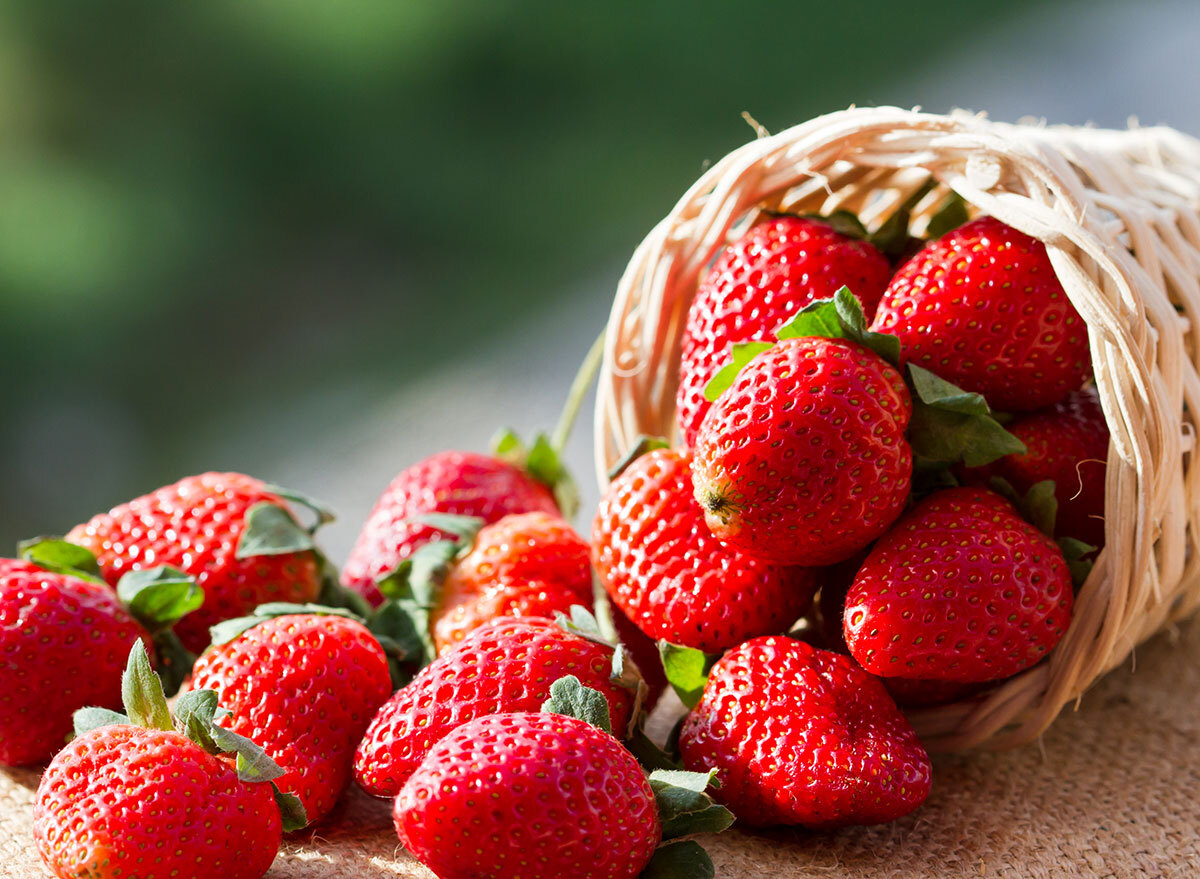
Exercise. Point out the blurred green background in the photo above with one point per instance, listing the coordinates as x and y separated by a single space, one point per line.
229 231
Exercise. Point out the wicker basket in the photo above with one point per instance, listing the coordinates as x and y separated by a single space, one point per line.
1119 212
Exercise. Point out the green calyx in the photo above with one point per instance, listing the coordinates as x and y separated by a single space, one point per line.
272 530
624 671
951 425
641 446
687 670
570 698
58 556
838 317
680 860
196 717
951 214
1039 507
684 804
543 461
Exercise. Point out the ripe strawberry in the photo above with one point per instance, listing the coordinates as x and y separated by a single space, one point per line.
803 461
982 308
507 665
660 564
130 796
525 564
1069 444
917 693
459 483
529 795
960 589
760 282
201 525
63 645
799 735
304 686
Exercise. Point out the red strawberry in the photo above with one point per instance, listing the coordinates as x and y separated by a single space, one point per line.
130 796
63 645
305 687
1069 444
803 736
982 308
525 564
961 589
758 283
507 665
916 693
460 483
660 564
529 795
803 460
198 525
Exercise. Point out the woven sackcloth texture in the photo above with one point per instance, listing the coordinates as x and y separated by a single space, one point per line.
1119 212
1111 792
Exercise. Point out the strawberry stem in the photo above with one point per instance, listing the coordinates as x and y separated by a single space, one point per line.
580 385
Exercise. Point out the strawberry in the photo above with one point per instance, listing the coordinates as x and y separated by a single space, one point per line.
917 693
63 644
304 686
107 801
529 794
1069 444
802 460
756 285
458 483
505 666
660 564
800 735
525 564
231 532
960 589
982 308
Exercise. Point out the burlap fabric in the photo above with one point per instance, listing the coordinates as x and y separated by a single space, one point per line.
1111 790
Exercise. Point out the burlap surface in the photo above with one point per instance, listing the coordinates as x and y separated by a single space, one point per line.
1113 791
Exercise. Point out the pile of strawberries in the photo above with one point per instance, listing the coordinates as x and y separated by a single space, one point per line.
889 485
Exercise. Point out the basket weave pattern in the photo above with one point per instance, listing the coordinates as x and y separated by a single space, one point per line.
1119 212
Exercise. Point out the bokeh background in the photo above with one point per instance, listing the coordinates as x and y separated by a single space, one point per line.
316 241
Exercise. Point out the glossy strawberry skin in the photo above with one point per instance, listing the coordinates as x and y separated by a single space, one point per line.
804 736
195 525
661 565
529 795
803 460
961 589
760 282
982 308
461 483
63 646
505 666
525 564
304 687
107 799
1069 444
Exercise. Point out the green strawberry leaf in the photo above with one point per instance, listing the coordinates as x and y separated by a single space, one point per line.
226 630
1038 507
253 764
951 214
88 719
840 317
397 627
60 557
571 698
650 755
641 446
950 424
843 222
159 597
679 860
740 354
174 661
323 514
1078 556
334 594
195 716
542 461
687 670
420 576
464 528
892 238
291 810
684 804
582 622
272 530
142 692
